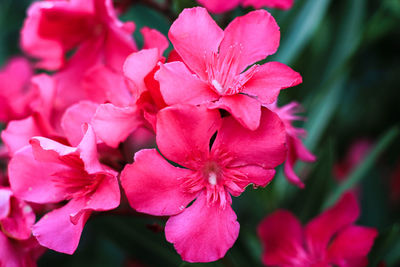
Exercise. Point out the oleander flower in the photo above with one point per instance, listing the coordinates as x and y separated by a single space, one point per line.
49 172
18 247
215 72
206 229
331 239
296 149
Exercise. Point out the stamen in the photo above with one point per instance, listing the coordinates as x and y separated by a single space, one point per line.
212 178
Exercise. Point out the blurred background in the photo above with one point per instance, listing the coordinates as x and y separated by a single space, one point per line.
348 54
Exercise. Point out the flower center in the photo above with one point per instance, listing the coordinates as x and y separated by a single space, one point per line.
212 178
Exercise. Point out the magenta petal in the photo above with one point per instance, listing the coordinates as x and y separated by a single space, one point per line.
18 223
32 180
179 86
122 120
5 196
18 133
88 150
73 119
253 37
281 235
218 6
56 231
264 147
138 65
269 79
48 150
320 230
102 85
281 4
351 243
106 197
184 133
244 109
154 39
195 34
256 175
203 233
156 191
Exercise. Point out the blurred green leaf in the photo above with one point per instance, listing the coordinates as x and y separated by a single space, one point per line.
386 244
301 30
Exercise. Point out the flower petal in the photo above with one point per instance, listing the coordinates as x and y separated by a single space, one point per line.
351 243
253 37
122 120
246 110
184 133
194 35
73 119
156 191
56 231
138 65
218 6
203 233
154 39
281 236
32 180
321 229
257 4
264 147
269 79
179 85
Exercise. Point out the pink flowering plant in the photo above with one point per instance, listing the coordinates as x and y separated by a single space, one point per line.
161 133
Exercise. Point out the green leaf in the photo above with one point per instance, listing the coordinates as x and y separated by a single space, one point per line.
301 30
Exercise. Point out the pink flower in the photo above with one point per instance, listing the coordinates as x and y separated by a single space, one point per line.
40 121
331 239
237 158
213 71
18 247
220 6
296 149
15 95
53 28
49 172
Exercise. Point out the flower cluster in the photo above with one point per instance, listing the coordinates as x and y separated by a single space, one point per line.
209 108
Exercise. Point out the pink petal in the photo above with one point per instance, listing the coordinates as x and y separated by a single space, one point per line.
203 233
74 117
48 150
353 242
156 191
19 221
50 52
264 147
281 4
5 196
246 110
32 180
194 35
102 85
253 37
255 175
281 236
8 255
56 231
320 230
184 133
219 6
179 85
154 39
138 65
122 120
269 79
88 150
